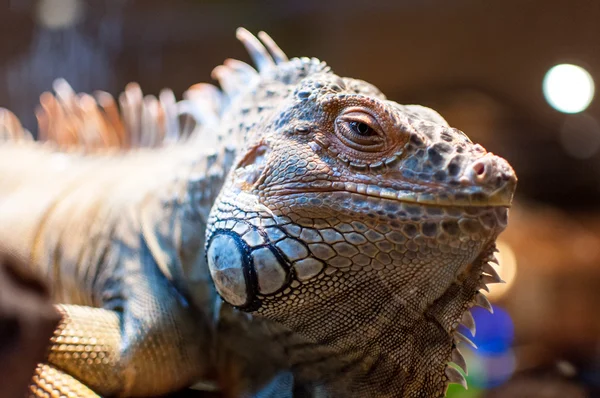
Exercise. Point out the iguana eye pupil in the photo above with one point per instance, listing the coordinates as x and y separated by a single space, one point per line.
361 128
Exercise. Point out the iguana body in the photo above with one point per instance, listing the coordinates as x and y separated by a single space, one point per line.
87 231
354 233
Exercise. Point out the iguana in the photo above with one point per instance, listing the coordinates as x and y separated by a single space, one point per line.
310 237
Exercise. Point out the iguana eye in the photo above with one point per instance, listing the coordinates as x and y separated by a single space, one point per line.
361 128
361 131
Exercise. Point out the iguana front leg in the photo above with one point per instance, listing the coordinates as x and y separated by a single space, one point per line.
49 381
87 346
156 343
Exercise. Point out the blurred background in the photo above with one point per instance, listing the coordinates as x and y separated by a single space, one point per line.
515 75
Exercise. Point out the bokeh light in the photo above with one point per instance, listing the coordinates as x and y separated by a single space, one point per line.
59 14
493 362
495 332
568 88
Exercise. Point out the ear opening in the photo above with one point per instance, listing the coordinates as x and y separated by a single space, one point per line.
249 170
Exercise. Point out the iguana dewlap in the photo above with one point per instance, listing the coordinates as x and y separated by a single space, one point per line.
309 237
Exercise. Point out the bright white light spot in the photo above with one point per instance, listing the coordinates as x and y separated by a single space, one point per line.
568 88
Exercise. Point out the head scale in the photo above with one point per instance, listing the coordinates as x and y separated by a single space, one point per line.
361 224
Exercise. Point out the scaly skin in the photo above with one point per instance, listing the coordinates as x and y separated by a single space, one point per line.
362 225
119 237
348 241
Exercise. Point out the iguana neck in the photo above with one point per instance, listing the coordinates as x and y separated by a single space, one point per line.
174 220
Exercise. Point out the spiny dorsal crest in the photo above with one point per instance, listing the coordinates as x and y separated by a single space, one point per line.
11 128
73 121
272 65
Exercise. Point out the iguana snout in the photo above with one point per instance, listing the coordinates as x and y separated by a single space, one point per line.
493 178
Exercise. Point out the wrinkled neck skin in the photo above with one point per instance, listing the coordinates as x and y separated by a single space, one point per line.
374 287
174 219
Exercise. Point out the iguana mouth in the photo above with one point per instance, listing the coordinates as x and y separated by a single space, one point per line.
499 198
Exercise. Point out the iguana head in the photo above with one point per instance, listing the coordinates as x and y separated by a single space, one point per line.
361 224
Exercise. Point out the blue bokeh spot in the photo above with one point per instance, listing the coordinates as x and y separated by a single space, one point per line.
495 332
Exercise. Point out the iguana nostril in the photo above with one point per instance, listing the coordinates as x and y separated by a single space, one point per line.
489 172
479 169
